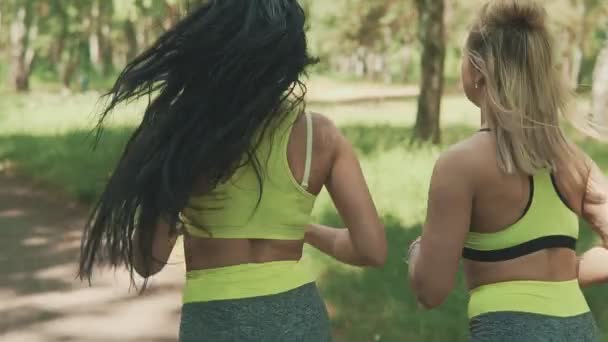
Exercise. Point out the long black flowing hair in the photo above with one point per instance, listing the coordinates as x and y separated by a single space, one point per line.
224 73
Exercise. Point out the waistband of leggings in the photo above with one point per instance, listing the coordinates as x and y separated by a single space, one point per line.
246 280
557 299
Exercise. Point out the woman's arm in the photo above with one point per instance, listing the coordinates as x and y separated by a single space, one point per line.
337 243
592 265
162 246
363 242
435 257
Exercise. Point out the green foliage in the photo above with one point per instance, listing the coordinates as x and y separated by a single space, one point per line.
47 137
53 158
373 39
351 35
73 39
388 311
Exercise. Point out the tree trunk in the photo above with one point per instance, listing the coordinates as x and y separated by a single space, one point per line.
600 90
432 36
95 36
107 11
78 53
22 54
148 33
572 58
107 61
171 16
68 71
131 36
57 49
59 46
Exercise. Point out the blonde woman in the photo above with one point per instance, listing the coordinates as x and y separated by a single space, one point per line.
508 199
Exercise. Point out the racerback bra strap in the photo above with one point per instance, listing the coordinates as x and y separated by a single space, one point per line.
309 141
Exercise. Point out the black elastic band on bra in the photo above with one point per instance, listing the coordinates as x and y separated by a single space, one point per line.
530 198
528 247
561 197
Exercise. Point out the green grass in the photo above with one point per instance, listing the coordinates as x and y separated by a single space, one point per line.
66 161
47 137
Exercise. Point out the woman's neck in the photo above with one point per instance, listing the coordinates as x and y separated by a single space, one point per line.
483 120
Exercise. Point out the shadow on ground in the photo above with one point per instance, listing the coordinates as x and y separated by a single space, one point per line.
40 299
30 247
377 304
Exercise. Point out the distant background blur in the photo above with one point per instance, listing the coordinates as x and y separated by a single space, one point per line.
58 56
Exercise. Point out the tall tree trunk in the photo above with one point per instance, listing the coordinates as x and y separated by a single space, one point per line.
70 66
573 34
78 53
22 32
95 36
600 89
148 33
131 36
107 52
572 57
105 31
61 41
432 36
171 16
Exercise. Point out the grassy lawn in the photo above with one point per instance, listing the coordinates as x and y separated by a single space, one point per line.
46 137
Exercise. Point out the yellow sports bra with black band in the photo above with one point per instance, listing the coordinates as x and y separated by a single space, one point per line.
547 222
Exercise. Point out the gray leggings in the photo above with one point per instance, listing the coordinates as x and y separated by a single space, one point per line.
528 327
298 315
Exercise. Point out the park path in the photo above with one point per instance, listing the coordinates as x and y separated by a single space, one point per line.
40 300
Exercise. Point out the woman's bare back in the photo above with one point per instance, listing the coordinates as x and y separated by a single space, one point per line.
212 253
500 200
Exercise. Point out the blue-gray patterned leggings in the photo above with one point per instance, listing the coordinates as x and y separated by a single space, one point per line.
528 327
298 315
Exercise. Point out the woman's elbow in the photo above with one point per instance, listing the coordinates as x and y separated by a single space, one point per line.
375 257
430 302
377 252
430 297
147 271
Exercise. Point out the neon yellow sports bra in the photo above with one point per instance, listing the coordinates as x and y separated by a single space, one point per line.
284 209
547 222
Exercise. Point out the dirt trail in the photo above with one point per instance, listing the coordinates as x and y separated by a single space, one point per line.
40 300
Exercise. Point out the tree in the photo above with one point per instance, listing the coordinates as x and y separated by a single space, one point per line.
67 40
22 33
70 38
431 33
100 47
365 38
568 26
600 88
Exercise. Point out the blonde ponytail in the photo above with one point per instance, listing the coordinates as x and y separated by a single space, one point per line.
525 93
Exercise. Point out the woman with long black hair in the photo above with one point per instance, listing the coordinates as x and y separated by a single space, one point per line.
227 151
